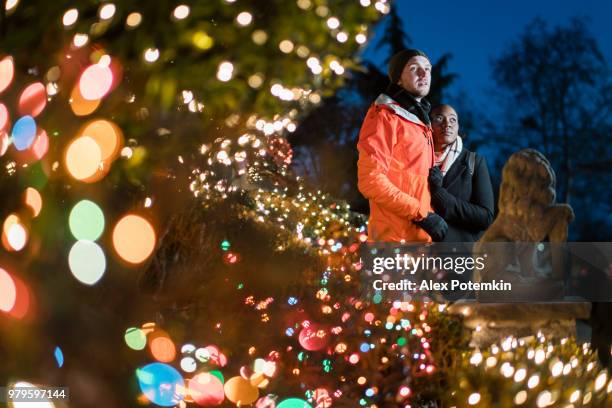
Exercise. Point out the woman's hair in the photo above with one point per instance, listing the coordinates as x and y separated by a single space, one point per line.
440 106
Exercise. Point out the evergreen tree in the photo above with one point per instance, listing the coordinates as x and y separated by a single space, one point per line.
394 37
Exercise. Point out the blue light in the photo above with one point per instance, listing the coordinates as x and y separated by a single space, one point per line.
365 347
161 384
59 356
24 132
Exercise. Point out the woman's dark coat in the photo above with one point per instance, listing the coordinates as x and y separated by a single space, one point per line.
465 201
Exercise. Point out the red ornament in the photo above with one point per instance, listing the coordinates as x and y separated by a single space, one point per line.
322 398
231 258
206 390
314 337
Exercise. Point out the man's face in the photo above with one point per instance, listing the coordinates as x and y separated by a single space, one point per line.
445 125
416 76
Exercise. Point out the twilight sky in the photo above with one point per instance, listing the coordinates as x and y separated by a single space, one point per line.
474 31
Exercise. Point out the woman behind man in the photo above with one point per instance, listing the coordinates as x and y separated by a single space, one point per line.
460 185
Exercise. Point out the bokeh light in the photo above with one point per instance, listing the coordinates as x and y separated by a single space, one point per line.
206 389
70 17
40 147
33 99
4 118
24 132
83 157
59 356
135 338
5 141
225 71
181 12
240 391
151 54
95 82
219 375
161 346
14 233
33 200
474 398
188 364
10 4
7 70
161 384
80 40
87 262
286 46
107 11
134 238
107 135
22 299
86 220
133 20
8 291
245 18
202 40
313 337
333 23
294 403
81 106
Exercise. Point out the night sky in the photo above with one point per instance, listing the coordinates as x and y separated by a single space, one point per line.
475 31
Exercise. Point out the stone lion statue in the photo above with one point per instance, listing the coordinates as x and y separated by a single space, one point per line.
528 214
527 208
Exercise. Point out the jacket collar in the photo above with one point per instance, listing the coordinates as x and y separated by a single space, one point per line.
386 100
456 169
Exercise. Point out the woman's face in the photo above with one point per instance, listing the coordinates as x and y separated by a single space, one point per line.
445 125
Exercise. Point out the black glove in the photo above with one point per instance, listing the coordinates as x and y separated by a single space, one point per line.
435 179
434 225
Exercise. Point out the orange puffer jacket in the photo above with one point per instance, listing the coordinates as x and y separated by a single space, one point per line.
395 155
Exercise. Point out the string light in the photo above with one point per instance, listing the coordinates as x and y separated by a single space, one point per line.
333 23
286 46
225 71
70 17
151 55
474 398
244 19
107 11
133 20
181 12
10 4
80 40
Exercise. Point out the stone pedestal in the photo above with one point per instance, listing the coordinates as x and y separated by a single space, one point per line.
492 323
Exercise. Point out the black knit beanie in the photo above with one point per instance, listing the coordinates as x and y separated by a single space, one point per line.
399 61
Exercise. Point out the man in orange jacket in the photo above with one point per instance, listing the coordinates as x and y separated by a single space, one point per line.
395 155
